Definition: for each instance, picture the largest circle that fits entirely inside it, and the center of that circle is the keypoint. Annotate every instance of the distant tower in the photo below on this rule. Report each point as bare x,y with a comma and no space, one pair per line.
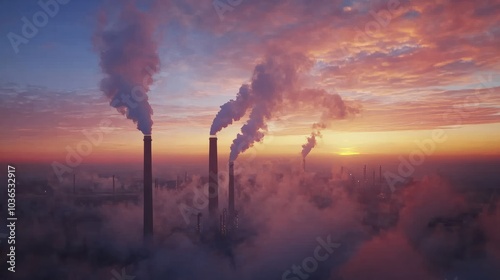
198,226
213,178
74,183
304,164
364,174
236,220
380,174
221,229
148,189
232,211
113,183
223,222
231,189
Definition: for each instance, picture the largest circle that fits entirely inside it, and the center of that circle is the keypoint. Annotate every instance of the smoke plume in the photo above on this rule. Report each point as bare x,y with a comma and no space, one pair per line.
271,80
311,143
129,59
233,110
429,229
276,87
334,108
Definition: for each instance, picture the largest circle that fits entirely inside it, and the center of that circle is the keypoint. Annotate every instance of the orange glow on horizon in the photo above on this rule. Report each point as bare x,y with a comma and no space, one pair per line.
125,146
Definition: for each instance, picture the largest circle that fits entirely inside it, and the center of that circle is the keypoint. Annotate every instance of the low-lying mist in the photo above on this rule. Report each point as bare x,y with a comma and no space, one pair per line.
293,224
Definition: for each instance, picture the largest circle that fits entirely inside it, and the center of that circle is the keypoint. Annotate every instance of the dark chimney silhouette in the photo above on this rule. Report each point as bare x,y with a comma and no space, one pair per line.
380,174
304,164
198,225
364,174
213,178
231,189
374,182
224,222
148,189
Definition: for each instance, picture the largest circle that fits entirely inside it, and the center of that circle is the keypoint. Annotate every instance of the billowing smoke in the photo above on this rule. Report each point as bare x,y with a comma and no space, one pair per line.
233,110
429,229
276,87
129,59
271,80
311,143
334,108
439,234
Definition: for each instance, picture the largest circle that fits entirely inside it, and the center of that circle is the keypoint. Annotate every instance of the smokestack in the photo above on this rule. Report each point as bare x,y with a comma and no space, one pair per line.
74,183
364,174
304,164
213,178
113,183
380,174
198,226
231,189
223,221
148,189
236,220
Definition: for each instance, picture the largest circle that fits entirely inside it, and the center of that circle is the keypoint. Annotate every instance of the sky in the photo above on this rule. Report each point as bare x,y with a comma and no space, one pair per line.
412,68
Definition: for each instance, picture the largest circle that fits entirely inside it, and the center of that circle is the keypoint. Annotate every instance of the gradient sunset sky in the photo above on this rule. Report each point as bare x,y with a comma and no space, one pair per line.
432,65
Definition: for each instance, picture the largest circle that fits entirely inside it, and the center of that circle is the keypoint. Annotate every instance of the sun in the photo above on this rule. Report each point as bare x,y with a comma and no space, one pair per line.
347,152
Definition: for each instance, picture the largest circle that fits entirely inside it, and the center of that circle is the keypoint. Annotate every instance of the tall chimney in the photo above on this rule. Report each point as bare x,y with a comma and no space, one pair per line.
364,174
198,225
380,174
231,189
148,189
304,164
213,178
113,183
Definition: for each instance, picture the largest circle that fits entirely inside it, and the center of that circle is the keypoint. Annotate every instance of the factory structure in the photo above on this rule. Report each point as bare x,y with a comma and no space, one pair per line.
148,189
213,178
217,226
224,220
228,218
220,224
380,203
223,223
